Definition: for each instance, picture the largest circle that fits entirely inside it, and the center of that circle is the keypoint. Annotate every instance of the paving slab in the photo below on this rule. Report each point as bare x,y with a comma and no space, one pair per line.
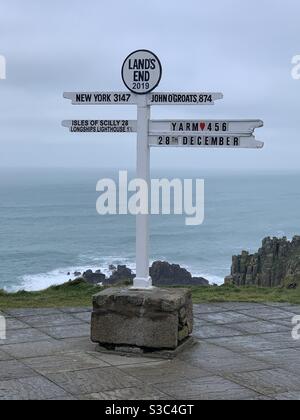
23,336
13,369
93,381
15,324
283,340
214,331
5,356
141,393
249,343
166,371
31,312
268,382
261,398
47,348
34,388
205,351
78,344
287,322
293,396
38,321
199,323
65,362
83,316
68,331
206,308
267,313
294,309
64,398
279,304
118,360
259,327
77,310
217,359
234,306
223,318
209,388
288,359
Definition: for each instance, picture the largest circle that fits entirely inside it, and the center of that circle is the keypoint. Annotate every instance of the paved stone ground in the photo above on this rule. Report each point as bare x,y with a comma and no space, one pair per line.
242,351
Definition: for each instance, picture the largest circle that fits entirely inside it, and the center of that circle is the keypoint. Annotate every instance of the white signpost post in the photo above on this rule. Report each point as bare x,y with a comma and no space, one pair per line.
141,73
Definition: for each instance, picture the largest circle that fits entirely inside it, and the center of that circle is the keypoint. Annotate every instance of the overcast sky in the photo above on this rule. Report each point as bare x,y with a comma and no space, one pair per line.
241,48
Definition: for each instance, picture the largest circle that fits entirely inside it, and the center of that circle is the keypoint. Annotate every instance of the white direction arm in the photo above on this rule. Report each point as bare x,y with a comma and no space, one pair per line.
183,98
205,126
102,98
209,141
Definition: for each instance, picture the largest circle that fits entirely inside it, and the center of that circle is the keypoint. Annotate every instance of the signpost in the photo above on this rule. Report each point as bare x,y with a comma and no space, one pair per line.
141,74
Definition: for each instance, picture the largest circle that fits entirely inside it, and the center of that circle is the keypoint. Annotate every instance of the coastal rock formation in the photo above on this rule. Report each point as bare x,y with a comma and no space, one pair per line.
76,274
93,278
162,273
277,263
165,274
121,273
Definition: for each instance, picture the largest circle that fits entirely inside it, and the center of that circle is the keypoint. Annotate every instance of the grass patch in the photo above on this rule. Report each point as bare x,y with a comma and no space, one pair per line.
245,294
79,293
76,293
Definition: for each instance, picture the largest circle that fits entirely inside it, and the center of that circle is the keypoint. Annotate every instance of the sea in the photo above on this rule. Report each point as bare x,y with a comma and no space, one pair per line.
49,225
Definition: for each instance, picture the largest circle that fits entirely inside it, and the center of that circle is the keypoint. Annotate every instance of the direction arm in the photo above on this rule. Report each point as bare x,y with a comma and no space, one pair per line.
101,98
211,141
183,98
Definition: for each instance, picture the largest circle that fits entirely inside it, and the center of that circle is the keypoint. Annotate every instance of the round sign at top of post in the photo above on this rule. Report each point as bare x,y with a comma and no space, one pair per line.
141,72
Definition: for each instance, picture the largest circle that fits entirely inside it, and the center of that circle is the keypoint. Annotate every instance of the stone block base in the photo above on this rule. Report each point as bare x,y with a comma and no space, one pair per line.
132,351
150,320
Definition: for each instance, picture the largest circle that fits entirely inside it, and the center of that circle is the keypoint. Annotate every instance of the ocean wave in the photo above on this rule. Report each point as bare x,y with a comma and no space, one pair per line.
36,282
212,278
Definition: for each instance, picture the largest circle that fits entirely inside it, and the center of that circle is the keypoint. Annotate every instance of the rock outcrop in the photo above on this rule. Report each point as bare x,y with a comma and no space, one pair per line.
165,274
121,273
93,278
162,273
277,263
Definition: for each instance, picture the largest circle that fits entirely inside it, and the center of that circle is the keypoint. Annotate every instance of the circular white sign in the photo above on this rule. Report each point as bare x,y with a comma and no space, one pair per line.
141,72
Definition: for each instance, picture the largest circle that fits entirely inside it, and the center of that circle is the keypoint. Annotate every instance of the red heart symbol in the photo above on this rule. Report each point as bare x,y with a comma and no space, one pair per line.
202,126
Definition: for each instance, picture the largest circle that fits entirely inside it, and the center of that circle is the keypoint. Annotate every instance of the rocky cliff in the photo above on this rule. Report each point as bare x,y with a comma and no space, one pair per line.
277,263
165,274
